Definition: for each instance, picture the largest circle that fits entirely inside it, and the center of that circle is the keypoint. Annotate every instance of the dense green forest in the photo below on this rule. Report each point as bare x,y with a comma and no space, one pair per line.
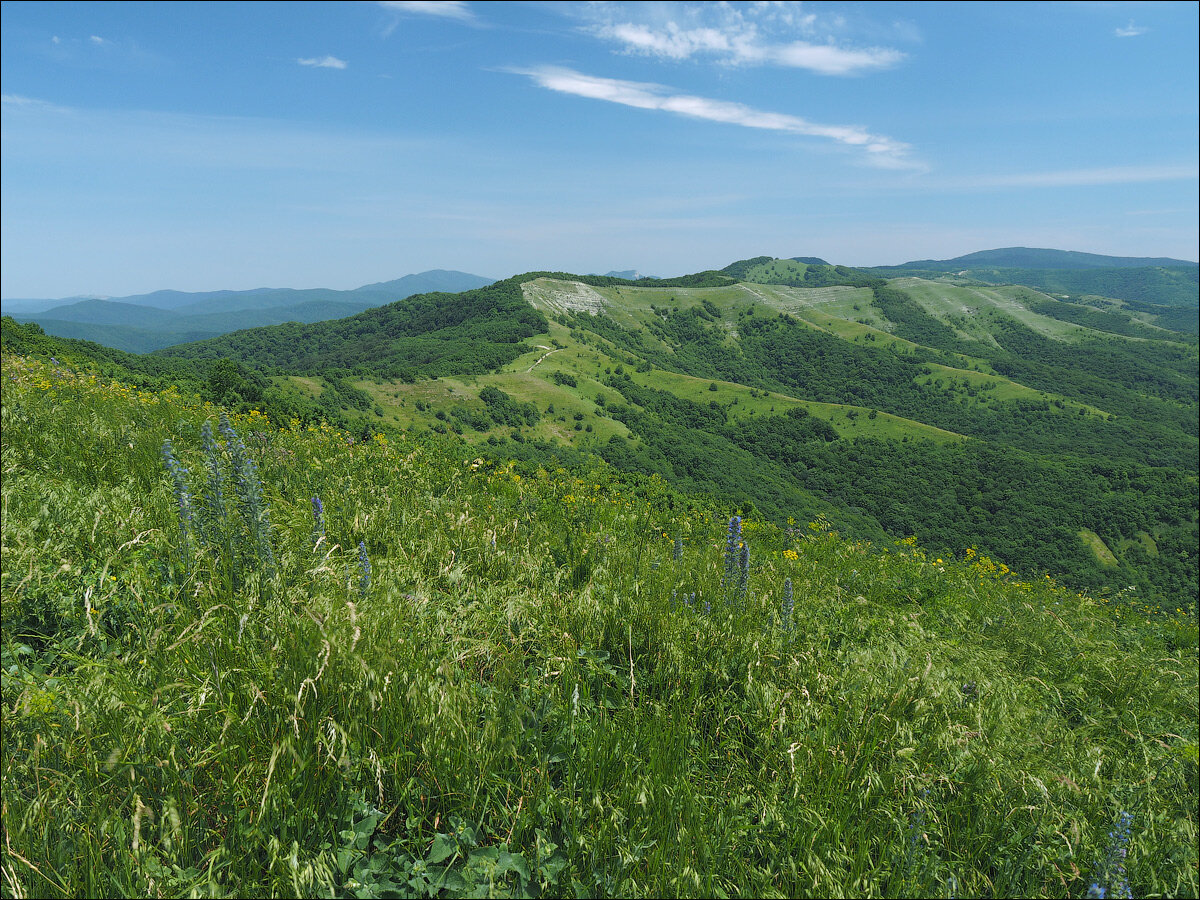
1102,316
1016,505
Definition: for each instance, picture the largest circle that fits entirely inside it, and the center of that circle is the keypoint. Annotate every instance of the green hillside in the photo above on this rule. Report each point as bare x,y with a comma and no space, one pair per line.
1051,440
241,660
1059,438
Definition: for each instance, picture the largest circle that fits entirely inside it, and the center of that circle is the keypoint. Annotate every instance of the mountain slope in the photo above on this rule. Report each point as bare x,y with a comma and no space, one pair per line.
1053,409
1058,437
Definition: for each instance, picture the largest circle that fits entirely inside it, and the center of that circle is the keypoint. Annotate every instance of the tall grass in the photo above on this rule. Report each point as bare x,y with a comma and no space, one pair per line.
442,678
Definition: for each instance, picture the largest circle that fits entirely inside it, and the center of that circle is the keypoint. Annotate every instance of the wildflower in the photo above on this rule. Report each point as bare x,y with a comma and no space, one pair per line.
732,542
179,479
364,565
254,511
677,552
318,519
788,605
247,489
237,450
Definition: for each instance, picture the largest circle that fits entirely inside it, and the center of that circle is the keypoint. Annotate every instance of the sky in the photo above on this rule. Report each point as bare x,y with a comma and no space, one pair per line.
205,146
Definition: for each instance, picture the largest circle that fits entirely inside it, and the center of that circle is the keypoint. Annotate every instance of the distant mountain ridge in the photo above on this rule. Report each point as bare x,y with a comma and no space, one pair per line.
447,281
142,323
1038,258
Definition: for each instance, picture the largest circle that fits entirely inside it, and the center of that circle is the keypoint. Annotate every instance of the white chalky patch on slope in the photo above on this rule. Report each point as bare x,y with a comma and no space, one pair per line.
564,296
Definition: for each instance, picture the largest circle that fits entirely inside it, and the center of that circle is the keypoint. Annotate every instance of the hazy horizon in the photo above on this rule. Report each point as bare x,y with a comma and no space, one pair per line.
260,287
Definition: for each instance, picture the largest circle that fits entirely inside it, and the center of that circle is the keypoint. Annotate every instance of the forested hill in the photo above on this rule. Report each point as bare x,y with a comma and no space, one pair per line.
432,334
799,271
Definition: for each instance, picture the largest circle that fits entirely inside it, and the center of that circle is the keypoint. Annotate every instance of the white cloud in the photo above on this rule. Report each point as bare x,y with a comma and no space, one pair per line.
746,48
97,40
880,150
773,34
1130,30
323,62
450,9
830,60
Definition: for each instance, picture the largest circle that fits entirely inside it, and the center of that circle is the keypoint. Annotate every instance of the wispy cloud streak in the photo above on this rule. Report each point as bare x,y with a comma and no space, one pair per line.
449,9
880,150
1130,30
743,45
753,34
323,62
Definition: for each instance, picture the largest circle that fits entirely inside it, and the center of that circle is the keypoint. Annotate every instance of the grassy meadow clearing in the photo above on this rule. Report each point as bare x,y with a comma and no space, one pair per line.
247,661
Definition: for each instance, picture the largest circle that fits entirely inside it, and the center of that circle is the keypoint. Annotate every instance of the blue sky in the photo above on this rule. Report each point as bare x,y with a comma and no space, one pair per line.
200,146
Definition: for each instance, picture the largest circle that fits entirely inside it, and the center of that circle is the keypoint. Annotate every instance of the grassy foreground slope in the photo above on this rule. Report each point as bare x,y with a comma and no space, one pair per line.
449,680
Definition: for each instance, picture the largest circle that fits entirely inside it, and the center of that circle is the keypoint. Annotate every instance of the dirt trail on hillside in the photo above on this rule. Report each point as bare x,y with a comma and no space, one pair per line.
543,356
